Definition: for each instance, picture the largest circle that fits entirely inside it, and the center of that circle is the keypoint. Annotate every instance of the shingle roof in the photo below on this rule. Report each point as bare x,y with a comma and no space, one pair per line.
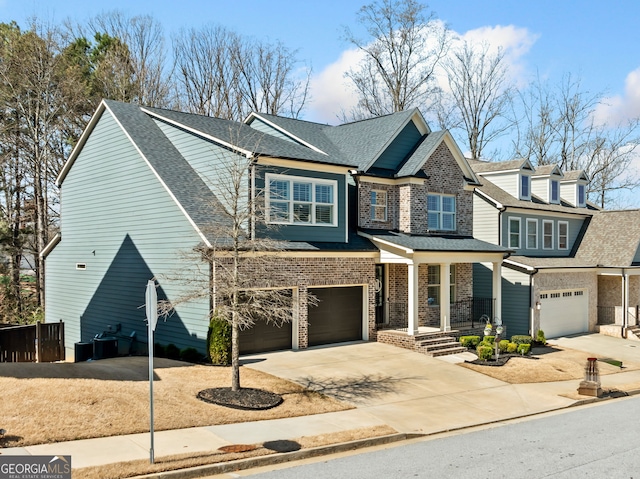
437,243
181,179
600,246
421,153
490,166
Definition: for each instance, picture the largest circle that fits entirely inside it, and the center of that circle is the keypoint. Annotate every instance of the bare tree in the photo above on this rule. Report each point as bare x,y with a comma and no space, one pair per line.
244,279
226,75
404,47
481,93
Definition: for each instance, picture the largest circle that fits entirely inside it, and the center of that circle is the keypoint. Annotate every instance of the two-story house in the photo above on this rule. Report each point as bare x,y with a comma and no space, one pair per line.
376,219
574,268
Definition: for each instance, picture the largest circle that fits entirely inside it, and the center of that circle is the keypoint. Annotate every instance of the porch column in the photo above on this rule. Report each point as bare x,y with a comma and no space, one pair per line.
497,289
412,299
445,296
625,300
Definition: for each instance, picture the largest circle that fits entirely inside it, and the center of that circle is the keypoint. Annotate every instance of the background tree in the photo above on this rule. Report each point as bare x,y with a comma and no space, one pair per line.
404,47
226,75
481,94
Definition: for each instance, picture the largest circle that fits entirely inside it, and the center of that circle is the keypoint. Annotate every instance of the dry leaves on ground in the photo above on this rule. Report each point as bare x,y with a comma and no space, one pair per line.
547,364
45,403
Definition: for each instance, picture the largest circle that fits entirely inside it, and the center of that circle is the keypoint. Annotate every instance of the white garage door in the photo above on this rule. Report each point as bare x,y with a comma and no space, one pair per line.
564,312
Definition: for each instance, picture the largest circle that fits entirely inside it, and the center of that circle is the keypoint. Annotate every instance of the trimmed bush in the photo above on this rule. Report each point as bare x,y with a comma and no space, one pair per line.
489,339
219,341
173,352
159,351
512,348
470,341
484,352
502,345
521,339
190,355
524,349
540,339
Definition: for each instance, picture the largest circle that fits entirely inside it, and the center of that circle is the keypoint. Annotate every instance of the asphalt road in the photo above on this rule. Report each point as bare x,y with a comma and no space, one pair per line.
598,441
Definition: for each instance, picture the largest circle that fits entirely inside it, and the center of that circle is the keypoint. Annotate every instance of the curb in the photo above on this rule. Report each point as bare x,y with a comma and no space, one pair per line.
278,458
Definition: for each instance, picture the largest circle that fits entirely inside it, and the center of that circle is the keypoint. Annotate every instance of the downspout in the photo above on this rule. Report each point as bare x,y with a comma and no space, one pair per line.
532,303
252,197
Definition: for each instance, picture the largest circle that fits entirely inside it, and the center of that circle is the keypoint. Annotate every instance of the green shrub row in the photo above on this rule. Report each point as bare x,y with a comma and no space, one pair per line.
485,348
521,339
470,341
171,351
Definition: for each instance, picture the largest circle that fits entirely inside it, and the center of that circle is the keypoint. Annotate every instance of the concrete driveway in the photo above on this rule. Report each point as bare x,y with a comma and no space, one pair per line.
409,391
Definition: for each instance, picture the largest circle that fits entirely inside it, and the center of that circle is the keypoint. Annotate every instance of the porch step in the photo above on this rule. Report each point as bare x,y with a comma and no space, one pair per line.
439,345
635,331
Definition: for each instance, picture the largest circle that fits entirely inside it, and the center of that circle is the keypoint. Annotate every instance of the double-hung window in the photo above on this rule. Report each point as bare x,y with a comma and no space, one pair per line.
379,205
433,290
532,233
547,234
581,196
441,212
563,235
297,200
514,233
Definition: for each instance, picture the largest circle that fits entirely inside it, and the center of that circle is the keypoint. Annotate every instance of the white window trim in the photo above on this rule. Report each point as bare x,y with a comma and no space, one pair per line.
544,222
438,286
531,221
567,235
442,212
385,206
303,179
513,220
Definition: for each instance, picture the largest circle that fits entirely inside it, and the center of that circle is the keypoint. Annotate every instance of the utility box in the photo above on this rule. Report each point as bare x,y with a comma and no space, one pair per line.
82,352
105,348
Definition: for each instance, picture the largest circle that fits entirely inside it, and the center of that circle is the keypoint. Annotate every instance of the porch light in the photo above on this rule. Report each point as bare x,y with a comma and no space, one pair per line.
538,305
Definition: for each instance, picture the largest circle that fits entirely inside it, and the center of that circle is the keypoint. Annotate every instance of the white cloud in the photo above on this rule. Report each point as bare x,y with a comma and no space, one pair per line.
331,92
620,108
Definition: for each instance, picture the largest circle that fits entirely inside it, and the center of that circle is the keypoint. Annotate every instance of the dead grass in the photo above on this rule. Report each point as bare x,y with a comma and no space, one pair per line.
170,463
45,403
549,364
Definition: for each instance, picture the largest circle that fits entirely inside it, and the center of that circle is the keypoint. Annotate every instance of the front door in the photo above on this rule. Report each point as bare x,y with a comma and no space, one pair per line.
381,300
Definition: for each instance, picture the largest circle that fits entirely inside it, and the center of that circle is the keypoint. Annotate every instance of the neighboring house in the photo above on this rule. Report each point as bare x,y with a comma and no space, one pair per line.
377,216
574,268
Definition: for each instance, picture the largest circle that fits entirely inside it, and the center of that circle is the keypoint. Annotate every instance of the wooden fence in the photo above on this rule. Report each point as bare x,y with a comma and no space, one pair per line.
40,342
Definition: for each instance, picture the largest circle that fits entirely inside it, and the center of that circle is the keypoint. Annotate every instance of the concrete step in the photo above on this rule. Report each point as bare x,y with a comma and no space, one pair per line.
446,352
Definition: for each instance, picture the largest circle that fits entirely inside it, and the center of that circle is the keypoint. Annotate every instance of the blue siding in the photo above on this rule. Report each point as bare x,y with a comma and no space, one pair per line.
399,148
119,221
303,232
575,225
260,125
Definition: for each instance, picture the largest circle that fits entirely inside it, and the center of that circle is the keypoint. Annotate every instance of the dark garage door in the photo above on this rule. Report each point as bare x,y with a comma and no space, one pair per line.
338,316
265,336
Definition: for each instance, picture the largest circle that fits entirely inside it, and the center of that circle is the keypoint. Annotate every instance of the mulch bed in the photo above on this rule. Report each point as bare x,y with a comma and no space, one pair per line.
245,398
501,361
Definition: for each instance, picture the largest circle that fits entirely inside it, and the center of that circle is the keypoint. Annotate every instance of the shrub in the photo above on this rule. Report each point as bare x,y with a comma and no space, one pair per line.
524,348
190,355
502,345
484,352
470,341
489,339
540,337
173,352
521,339
512,348
159,351
219,341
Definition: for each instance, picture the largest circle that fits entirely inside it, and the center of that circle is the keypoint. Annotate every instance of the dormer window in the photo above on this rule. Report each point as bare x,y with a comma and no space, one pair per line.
581,196
525,187
555,191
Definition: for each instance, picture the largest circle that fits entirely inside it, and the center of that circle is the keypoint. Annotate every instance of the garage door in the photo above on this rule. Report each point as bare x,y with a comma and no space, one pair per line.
264,337
337,317
564,312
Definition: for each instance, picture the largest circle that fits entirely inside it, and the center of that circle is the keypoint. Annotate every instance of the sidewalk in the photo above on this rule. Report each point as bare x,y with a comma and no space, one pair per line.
435,396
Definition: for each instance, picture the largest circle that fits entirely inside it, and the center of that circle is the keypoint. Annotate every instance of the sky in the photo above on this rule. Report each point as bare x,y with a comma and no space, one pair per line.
598,42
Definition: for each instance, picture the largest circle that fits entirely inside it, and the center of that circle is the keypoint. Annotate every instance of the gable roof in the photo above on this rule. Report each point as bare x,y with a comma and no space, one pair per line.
548,170
599,246
481,166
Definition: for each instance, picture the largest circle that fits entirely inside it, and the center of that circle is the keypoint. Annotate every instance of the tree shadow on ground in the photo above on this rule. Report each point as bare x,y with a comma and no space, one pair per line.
353,388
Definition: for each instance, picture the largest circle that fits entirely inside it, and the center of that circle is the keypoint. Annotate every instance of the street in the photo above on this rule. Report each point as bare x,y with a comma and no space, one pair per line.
596,441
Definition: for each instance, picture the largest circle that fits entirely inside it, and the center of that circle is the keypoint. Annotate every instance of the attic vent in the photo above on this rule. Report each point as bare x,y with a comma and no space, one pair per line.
81,266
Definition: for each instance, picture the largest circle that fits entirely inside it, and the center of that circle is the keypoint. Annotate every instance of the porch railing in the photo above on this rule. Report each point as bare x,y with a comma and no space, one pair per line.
465,313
